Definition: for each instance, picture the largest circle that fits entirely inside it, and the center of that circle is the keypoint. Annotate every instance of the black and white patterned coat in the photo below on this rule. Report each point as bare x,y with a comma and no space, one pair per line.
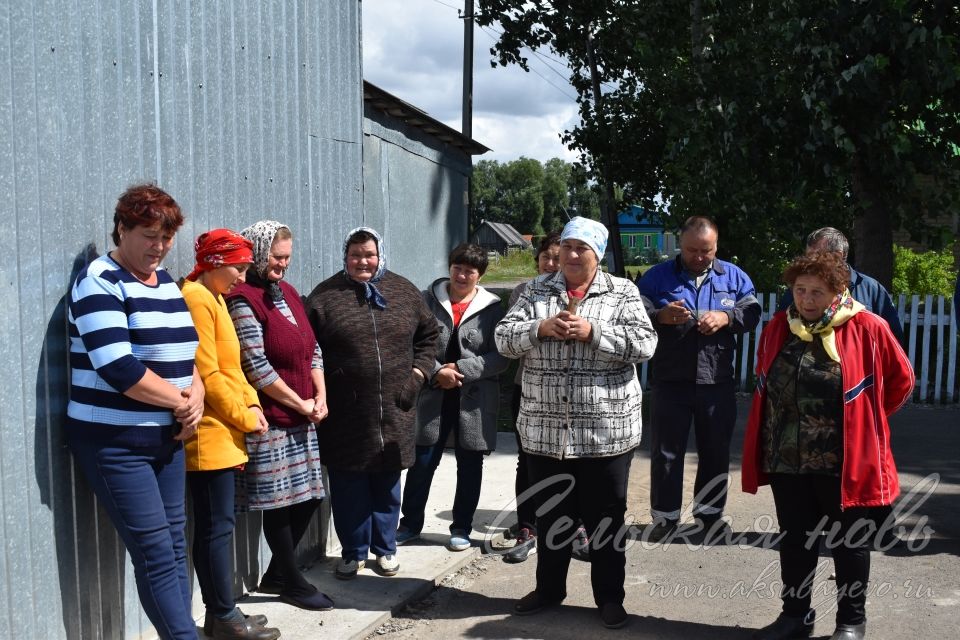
580,399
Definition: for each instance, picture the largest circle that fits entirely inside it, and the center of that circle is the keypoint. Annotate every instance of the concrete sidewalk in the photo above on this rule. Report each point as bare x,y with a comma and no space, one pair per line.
683,589
369,600
673,590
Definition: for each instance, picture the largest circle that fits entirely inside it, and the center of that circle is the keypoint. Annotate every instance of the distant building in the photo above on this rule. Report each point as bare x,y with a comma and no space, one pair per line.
499,237
642,236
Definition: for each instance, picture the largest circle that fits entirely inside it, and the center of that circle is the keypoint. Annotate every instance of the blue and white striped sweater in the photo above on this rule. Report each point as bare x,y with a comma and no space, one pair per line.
119,327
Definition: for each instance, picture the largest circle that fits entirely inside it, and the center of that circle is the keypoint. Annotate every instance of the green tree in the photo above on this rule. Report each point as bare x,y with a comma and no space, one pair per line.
483,187
521,188
556,195
584,195
773,118
534,198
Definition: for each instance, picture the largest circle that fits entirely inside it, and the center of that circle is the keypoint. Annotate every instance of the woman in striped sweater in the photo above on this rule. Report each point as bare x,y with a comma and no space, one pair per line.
135,396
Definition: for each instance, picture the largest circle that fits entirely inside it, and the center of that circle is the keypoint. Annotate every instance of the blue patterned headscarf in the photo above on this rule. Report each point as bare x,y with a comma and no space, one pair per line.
370,290
589,231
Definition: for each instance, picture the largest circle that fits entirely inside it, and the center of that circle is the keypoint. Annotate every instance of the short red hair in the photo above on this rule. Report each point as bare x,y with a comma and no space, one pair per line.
826,265
146,204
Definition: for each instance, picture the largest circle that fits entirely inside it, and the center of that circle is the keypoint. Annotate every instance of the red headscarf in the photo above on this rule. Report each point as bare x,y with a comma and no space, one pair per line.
220,247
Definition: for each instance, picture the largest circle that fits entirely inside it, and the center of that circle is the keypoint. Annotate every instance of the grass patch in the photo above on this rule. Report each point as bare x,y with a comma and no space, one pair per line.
516,265
520,265
634,271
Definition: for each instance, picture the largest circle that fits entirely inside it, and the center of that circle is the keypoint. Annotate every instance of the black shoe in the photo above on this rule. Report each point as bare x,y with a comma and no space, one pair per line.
786,627
208,619
272,587
613,615
316,601
850,632
532,603
659,529
245,630
526,546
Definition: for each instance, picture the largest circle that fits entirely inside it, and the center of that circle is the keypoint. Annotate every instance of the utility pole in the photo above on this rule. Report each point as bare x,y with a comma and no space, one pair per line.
466,127
606,201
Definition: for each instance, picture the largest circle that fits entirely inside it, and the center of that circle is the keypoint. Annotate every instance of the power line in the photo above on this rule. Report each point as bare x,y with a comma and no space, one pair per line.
534,71
542,55
539,54
458,9
548,58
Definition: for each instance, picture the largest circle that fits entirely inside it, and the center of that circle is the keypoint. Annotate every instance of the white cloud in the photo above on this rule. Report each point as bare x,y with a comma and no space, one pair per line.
414,49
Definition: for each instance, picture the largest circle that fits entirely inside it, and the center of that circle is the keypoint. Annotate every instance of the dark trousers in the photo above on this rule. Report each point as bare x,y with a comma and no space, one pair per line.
802,501
526,507
713,410
213,523
599,496
365,508
142,489
283,529
416,489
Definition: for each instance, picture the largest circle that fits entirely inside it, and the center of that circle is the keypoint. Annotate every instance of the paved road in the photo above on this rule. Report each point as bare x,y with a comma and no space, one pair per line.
725,591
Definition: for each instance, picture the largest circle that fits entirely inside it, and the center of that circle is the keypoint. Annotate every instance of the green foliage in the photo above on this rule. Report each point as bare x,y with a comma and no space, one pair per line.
535,198
516,265
773,118
928,272
556,193
637,256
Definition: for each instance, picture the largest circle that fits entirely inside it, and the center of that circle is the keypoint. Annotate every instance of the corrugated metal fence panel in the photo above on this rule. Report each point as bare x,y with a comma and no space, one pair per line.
414,193
242,110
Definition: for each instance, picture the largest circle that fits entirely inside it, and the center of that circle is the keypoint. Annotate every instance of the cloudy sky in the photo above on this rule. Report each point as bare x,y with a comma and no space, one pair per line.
414,50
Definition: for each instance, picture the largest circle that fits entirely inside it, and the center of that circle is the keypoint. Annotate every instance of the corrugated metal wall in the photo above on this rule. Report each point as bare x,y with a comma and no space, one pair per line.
414,192
242,109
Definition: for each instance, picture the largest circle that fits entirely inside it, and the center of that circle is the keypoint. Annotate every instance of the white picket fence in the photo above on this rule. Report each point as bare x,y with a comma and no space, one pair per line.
930,330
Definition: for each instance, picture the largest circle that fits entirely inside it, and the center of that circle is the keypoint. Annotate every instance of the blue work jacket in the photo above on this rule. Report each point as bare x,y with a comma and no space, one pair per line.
683,353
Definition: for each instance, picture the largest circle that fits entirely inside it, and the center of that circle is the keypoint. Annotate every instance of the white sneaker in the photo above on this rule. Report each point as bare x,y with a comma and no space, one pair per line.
388,564
459,540
348,569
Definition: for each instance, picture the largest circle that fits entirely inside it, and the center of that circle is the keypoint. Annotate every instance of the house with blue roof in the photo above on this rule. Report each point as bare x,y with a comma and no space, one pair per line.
643,237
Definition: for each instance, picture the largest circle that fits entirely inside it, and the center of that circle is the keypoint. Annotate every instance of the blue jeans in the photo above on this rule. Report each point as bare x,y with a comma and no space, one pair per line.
213,523
365,508
142,489
416,489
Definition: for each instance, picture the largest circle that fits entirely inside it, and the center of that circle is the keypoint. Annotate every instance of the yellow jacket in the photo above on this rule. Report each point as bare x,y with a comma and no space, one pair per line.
219,442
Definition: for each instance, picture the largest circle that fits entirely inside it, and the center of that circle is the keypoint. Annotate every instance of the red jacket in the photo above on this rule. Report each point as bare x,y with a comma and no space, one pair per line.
877,381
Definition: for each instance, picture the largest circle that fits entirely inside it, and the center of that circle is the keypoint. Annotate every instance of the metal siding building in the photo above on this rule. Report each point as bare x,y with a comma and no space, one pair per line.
242,110
416,173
